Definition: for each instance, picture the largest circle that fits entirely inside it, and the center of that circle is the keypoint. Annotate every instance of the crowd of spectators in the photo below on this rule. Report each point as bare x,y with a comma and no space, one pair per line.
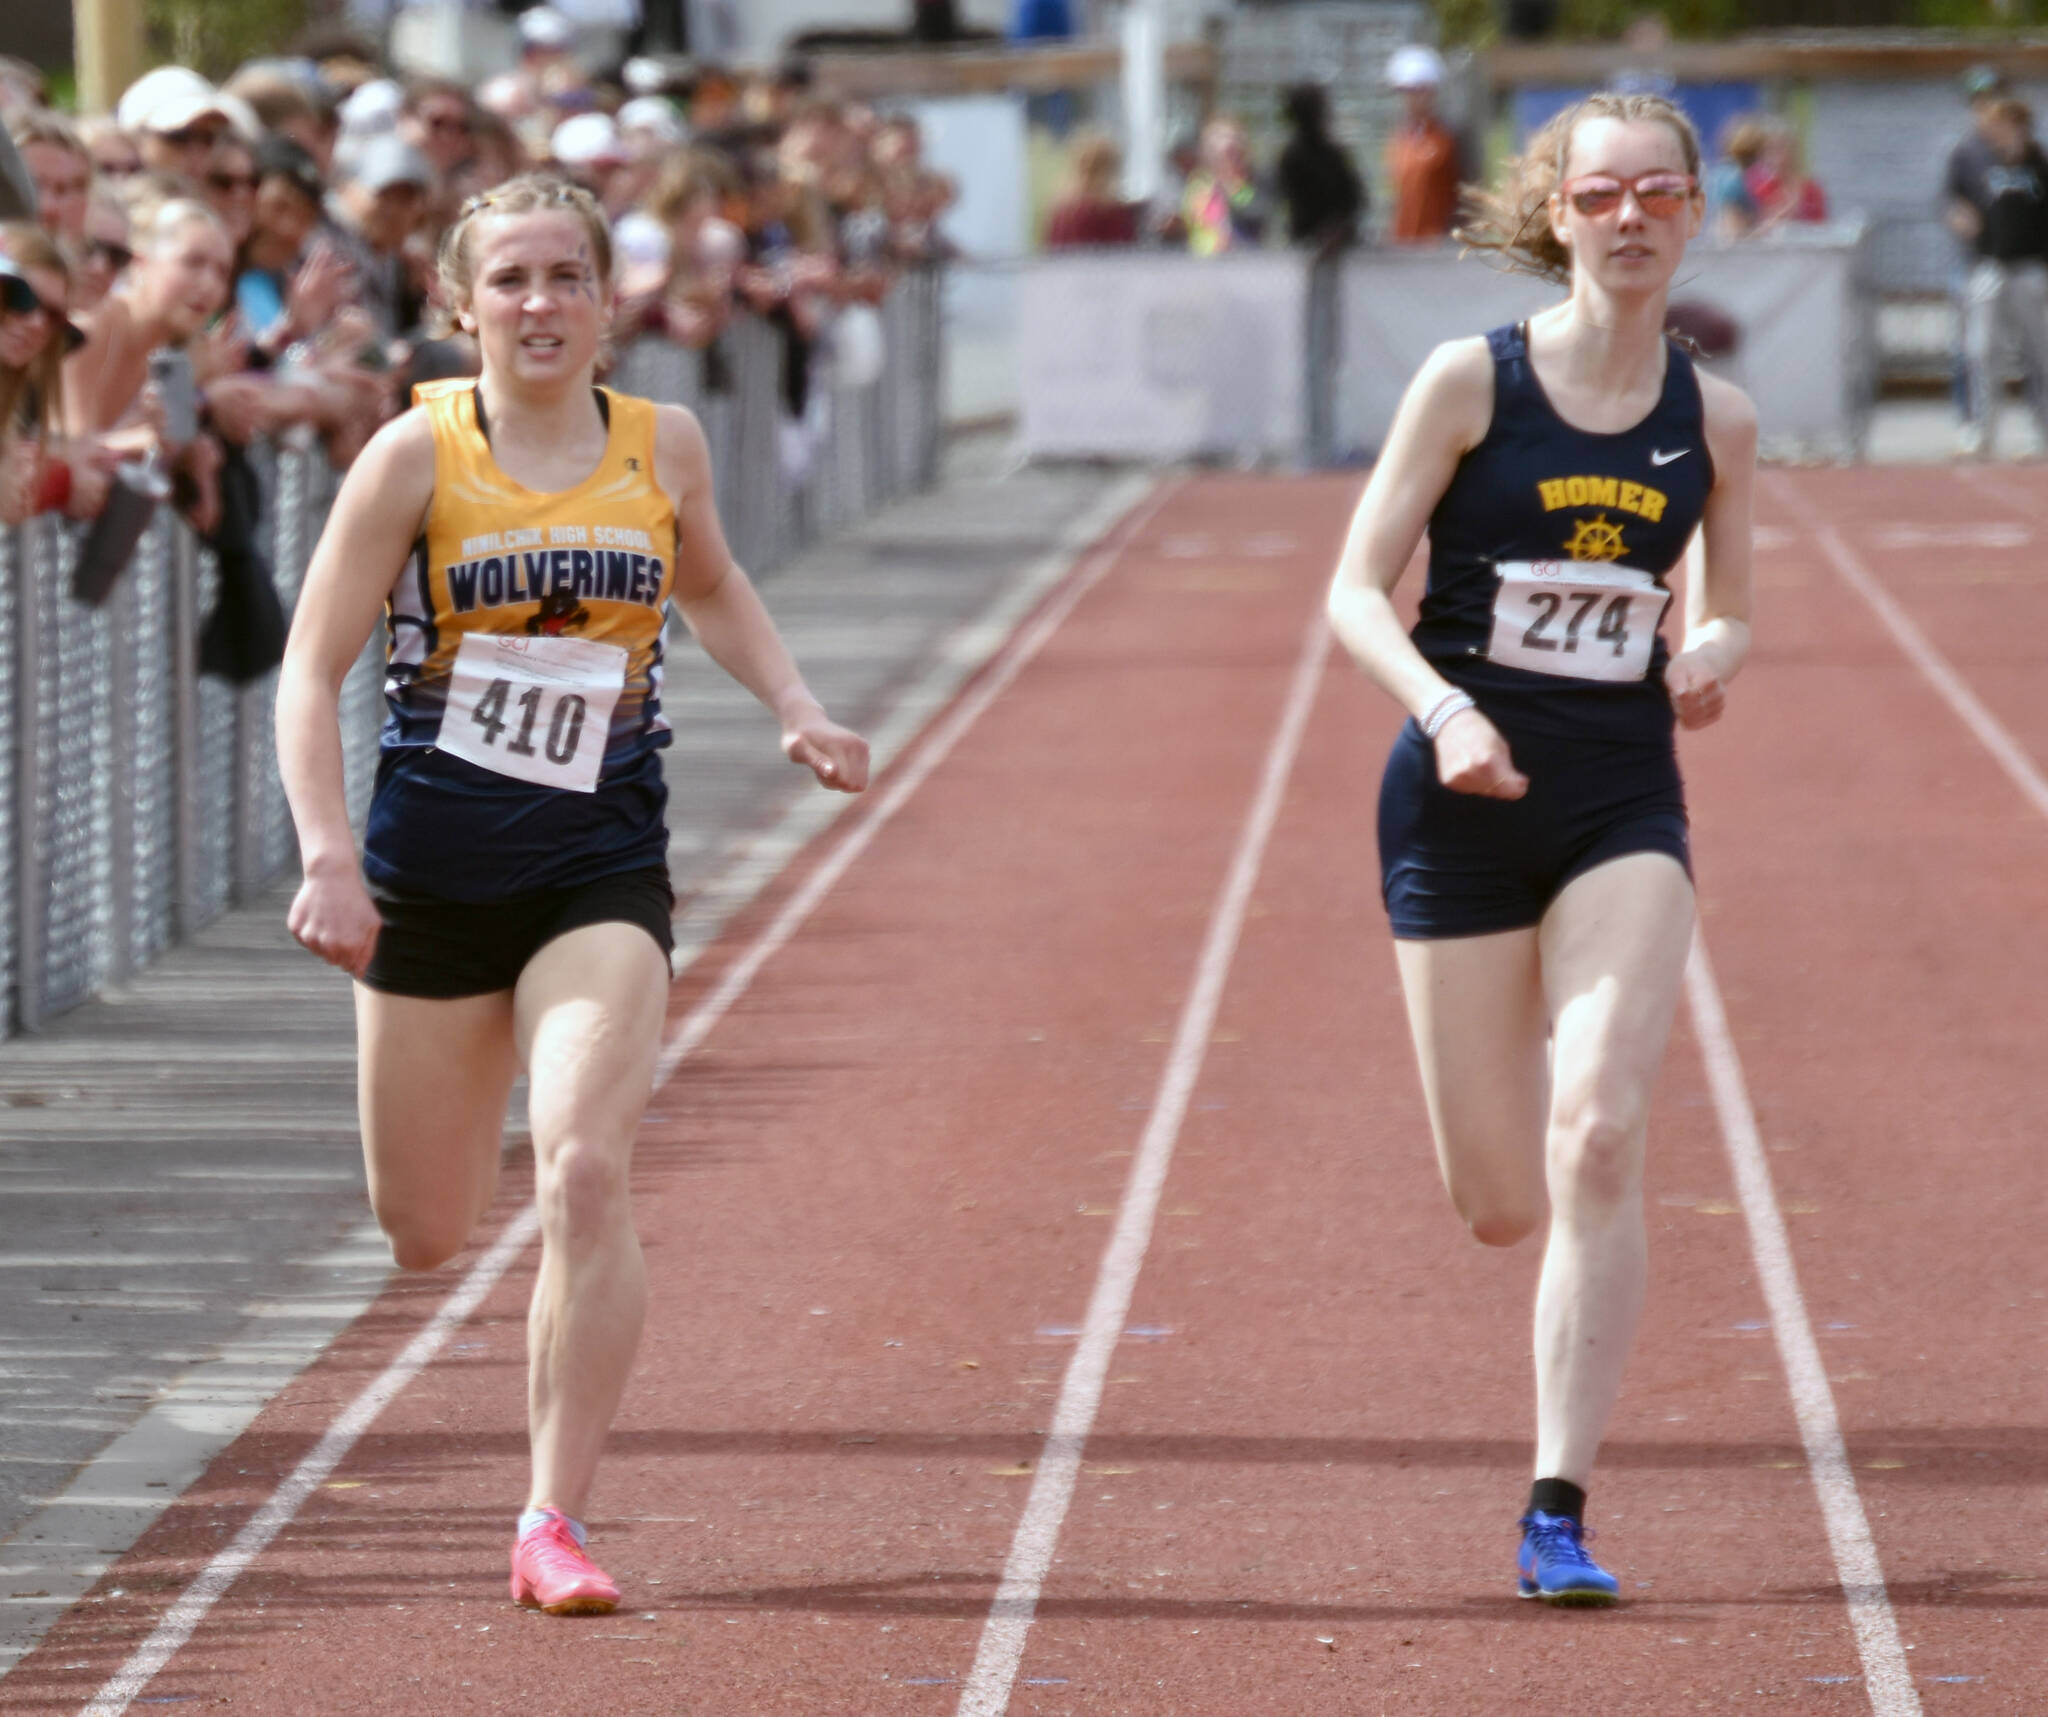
1759,181
211,264
1216,198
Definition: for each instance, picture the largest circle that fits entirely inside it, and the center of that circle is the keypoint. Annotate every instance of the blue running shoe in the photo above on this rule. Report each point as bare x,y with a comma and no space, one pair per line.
1554,1565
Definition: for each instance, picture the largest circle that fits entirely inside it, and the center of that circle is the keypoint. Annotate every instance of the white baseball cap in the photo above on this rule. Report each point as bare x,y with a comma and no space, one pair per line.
372,107
588,140
640,240
1415,67
656,116
643,74
241,116
389,160
168,99
544,27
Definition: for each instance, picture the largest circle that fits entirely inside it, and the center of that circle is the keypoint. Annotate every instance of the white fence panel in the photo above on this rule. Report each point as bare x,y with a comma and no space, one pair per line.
1155,355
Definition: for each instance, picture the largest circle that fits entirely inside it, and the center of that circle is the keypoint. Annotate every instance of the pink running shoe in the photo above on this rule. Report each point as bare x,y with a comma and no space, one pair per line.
551,1572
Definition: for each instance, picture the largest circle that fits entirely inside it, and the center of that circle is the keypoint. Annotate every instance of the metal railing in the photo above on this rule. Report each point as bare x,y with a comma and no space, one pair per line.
141,799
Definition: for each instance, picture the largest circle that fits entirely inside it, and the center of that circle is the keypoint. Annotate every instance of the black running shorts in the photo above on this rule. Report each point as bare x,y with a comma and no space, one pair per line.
446,948
1460,864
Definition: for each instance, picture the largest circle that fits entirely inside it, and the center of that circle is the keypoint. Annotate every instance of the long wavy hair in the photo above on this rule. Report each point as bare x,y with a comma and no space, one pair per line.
42,380
1511,217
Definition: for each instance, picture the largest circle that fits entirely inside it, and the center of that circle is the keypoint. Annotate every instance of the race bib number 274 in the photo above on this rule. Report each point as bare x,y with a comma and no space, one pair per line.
537,709
1580,620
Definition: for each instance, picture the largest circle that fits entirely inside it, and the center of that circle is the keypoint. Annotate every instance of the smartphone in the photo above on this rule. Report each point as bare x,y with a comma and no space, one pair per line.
171,371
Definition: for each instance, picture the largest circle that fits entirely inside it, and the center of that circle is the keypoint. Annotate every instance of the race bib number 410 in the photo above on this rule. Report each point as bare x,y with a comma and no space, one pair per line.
1580,620
537,709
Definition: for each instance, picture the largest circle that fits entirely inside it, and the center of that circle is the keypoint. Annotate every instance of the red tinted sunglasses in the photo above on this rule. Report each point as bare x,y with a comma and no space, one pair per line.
1659,195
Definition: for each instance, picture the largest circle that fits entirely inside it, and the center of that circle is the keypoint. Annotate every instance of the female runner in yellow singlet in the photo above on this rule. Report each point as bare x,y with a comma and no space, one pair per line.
524,534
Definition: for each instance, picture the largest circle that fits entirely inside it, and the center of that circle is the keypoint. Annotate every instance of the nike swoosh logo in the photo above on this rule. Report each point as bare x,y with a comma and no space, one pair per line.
1657,458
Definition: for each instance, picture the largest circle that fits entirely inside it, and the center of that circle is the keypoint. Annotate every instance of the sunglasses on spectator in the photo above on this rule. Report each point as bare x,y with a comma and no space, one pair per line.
115,256
447,122
17,297
232,181
193,136
123,167
1659,195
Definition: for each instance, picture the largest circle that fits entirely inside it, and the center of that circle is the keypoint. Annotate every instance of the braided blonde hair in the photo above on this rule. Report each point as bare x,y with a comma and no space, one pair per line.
528,193
1511,217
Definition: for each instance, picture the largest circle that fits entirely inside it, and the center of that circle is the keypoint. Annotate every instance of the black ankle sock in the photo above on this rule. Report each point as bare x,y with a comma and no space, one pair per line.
1558,1496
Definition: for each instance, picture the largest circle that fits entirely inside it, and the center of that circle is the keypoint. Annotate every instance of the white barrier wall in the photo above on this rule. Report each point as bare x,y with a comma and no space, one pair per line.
1158,355
1393,309
1803,350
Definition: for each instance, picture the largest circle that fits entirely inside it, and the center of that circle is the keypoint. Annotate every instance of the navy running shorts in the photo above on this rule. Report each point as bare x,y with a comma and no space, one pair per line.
1458,864
441,949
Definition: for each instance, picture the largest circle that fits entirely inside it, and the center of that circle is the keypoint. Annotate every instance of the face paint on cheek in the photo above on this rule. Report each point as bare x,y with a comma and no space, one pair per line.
586,285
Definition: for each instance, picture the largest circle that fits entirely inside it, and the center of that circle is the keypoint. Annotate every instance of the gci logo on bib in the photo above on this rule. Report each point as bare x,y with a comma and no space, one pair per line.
1580,620
537,709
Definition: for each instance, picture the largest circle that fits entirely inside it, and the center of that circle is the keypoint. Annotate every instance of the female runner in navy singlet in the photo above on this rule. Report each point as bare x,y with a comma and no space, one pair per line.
1532,826
525,534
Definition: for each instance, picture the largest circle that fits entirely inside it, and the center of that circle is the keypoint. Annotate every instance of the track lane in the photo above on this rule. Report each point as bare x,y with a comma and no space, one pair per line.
892,1140
1880,899
1307,1501
886,1143
1960,550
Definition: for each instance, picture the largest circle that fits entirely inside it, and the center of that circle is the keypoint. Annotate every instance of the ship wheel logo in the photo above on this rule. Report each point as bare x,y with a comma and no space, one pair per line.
1596,539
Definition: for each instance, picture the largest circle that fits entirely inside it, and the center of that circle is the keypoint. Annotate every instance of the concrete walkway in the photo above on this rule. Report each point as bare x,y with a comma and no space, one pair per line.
182,1222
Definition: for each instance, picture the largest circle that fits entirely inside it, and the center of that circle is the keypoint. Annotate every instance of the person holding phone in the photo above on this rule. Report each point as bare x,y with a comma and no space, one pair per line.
1535,856
140,403
524,533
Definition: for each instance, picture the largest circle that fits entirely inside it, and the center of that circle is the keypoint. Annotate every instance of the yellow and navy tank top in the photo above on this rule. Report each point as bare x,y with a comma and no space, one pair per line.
1549,556
499,562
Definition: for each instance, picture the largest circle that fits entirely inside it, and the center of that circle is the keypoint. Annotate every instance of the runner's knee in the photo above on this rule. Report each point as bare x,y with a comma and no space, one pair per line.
582,1188
420,1244
1500,1223
1496,1210
1596,1156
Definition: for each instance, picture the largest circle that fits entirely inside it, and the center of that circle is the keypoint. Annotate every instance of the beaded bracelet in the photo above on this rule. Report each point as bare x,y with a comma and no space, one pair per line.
1439,714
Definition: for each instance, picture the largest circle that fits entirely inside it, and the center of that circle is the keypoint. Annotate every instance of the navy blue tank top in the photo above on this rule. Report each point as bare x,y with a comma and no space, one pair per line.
1549,553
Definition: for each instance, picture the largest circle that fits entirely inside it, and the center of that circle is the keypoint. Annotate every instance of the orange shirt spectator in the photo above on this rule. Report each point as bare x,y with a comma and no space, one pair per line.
1422,153
1422,163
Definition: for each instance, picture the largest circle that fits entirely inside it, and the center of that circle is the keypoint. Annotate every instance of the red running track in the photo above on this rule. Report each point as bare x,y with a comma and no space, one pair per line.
876,1201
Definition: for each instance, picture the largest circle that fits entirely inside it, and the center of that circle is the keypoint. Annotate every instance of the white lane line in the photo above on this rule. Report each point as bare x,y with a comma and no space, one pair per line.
65,1547
1934,667
61,1550
987,1692
754,863
1991,481
928,757
214,1580
1886,1677
218,1575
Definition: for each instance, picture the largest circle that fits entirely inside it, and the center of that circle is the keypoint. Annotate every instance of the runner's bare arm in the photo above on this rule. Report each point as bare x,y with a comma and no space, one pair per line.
1442,417
726,613
1717,579
376,518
